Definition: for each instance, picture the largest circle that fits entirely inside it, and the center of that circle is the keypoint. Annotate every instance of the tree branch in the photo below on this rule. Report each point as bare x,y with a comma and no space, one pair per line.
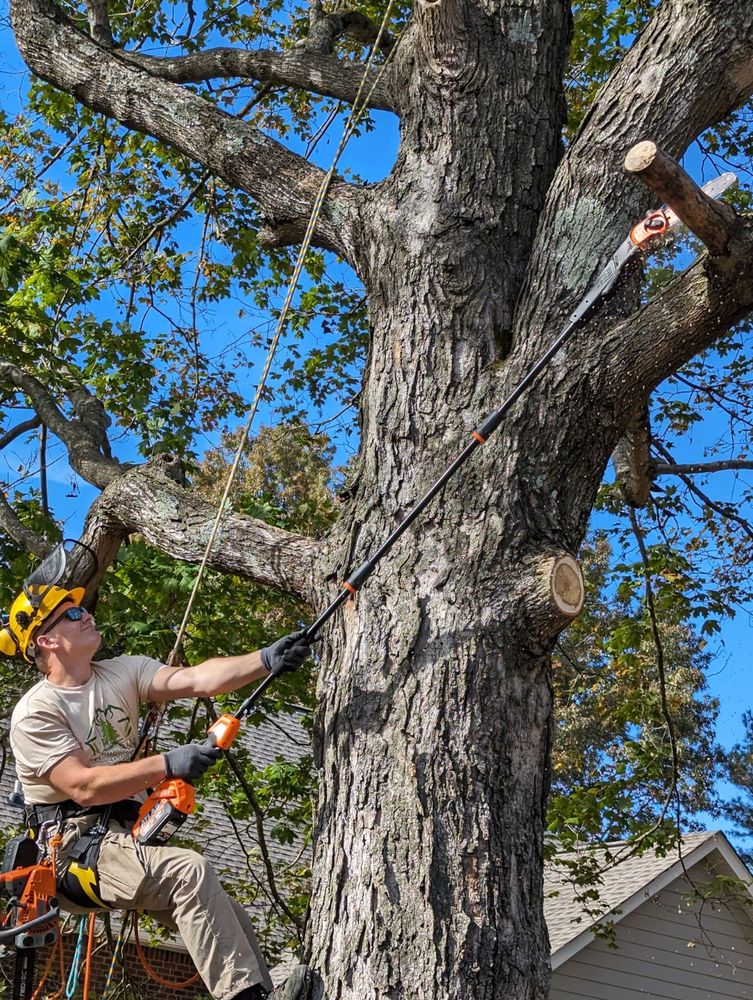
325,29
109,82
722,509
726,465
81,435
99,22
26,538
685,317
15,432
713,222
148,500
313,71
687,70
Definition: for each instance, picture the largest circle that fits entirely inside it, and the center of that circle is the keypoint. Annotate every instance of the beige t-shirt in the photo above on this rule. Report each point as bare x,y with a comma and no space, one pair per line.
101,718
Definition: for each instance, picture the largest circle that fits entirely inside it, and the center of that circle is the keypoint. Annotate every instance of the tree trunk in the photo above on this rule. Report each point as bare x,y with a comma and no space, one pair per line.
433,734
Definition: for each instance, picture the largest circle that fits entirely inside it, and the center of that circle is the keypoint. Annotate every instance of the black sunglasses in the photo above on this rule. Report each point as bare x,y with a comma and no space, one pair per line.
74,614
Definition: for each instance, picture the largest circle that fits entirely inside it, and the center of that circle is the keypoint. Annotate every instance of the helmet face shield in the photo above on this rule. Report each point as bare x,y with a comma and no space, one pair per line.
41,595
49,572
54,567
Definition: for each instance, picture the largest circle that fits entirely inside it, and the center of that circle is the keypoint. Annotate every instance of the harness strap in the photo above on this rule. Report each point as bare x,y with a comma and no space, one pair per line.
123,812
79,881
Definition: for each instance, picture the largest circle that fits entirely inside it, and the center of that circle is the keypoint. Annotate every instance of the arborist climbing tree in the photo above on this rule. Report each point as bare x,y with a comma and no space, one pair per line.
74,737
434,728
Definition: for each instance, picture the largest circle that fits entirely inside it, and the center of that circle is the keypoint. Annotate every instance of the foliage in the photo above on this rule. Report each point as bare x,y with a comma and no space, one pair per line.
739,768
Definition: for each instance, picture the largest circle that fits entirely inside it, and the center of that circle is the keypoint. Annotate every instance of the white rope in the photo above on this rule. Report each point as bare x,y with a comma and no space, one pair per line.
350,127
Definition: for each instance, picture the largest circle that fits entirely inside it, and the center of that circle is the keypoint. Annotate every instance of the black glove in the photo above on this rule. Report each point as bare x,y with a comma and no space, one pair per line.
286,654
190,761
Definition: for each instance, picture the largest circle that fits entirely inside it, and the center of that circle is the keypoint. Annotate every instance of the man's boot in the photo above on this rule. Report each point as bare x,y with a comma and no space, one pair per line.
252,993
297,985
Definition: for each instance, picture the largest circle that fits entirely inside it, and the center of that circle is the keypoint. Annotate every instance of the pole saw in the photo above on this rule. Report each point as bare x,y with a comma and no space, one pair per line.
170,804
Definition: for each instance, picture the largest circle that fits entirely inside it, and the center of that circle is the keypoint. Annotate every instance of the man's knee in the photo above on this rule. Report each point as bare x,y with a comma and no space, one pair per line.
192,872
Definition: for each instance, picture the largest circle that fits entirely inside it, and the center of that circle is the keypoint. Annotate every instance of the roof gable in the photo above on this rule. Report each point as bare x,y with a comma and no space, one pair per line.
625,885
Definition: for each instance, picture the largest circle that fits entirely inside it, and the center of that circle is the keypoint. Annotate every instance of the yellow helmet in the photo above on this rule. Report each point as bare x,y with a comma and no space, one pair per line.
29,610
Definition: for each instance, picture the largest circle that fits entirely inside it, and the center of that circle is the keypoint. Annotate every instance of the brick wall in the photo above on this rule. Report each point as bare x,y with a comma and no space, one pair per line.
129,982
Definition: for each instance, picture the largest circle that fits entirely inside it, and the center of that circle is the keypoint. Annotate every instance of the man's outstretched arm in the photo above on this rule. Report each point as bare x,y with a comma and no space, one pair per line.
222,674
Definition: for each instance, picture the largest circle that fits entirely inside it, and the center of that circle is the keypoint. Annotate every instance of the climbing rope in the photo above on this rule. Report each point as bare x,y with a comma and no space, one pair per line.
357,109
74,973
150,970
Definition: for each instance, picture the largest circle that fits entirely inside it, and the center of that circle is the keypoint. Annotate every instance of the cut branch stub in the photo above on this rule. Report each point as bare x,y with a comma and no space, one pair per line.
713,222
554,591
564,579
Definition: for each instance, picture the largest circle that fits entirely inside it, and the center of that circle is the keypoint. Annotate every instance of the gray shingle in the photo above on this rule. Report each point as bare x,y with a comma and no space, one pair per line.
564,908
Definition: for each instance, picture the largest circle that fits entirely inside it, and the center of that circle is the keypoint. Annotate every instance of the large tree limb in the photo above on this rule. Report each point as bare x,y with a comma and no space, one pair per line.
687,316
147,500
690,67
82,436
309,70
284,184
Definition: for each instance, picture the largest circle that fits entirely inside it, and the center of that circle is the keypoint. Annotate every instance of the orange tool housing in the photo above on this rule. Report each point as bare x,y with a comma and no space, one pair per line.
174,799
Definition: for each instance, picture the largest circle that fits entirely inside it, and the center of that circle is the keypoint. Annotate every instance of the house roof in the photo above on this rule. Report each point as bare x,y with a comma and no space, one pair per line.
624,883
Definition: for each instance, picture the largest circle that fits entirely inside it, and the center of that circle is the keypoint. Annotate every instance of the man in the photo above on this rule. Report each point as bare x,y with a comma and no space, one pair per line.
73,736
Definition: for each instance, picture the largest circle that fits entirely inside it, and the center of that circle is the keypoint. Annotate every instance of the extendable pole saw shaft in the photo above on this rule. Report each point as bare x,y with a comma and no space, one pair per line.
654,225
170,804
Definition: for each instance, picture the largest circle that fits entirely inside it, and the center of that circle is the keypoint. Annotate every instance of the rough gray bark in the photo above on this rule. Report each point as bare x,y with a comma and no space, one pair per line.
152,500
433,735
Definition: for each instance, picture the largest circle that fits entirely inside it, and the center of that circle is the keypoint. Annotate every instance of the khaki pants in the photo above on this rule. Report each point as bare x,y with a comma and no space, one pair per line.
180,890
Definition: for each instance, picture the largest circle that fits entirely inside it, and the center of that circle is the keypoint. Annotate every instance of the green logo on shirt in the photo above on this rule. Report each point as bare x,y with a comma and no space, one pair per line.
110,734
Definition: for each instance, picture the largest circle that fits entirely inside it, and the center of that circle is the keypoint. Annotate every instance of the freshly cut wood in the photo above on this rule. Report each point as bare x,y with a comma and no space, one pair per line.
713,222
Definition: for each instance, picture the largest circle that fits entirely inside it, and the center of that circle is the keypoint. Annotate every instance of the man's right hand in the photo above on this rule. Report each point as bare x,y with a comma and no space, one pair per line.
190,761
